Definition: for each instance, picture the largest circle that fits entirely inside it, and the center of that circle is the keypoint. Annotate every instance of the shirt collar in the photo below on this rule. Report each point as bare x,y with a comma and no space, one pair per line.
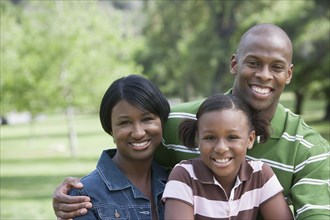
277,123
117,180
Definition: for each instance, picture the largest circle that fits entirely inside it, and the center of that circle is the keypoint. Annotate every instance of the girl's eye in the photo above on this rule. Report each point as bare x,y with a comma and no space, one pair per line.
233,137
209,138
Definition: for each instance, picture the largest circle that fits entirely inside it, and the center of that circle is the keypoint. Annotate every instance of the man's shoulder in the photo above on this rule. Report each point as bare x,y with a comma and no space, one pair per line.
187,107
296,129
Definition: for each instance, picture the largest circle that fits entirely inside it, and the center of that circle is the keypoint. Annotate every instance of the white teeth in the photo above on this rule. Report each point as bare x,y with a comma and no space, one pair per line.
140,144
222,160
261,90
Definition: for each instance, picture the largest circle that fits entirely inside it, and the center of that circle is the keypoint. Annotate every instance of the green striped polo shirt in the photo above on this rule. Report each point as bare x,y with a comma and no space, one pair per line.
298,155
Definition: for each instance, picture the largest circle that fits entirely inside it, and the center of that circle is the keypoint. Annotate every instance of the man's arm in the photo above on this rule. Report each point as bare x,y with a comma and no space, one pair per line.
65,206
310,193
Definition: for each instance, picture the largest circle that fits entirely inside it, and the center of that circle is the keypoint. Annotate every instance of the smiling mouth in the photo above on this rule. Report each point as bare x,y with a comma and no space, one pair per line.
140,145
222,161
261,90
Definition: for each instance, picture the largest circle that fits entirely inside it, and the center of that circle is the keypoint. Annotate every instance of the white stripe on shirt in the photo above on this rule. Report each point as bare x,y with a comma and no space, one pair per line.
310,181
313,159
297,137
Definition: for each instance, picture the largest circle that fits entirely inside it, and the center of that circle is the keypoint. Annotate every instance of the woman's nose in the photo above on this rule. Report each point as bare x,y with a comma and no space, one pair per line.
138,131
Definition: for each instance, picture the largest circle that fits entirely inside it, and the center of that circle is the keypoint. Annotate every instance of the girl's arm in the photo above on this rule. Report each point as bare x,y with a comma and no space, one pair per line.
276,208
176,209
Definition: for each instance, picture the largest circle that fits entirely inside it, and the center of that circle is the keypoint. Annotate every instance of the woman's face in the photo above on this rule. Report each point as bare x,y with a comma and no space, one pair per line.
223,138
137,134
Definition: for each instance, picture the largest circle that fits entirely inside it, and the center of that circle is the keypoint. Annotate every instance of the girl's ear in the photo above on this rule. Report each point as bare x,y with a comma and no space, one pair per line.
196,139
252,137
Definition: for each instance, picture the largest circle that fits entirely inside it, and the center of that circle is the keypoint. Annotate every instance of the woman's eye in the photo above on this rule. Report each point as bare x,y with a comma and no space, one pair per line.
147,119
124,122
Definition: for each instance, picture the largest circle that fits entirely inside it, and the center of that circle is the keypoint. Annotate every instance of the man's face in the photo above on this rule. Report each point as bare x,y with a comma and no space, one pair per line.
262,67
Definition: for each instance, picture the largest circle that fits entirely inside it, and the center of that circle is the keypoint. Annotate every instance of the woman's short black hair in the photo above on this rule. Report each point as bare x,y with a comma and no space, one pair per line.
137,91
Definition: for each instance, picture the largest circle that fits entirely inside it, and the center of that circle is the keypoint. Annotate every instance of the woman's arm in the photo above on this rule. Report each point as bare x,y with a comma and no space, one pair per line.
276,208
176,209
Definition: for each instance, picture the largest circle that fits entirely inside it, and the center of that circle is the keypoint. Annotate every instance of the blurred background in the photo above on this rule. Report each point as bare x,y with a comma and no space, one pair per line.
59,57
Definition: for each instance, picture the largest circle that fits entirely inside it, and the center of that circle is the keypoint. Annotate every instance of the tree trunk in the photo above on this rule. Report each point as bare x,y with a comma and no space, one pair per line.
327,112
299,102
73,138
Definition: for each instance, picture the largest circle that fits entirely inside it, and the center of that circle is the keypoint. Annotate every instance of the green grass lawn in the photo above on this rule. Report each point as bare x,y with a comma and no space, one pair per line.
32,166
34,160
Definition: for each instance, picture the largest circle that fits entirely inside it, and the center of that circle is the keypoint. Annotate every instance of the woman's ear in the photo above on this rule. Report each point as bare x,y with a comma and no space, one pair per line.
252,137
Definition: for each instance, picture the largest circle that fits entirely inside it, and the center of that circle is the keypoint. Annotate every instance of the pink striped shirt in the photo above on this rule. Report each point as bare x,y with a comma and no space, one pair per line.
192,182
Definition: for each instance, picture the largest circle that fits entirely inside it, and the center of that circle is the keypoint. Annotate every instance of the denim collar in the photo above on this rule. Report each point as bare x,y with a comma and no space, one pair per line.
117,180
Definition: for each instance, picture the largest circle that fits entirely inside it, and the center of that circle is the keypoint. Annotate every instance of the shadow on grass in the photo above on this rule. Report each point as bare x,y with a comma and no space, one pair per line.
59,160
50,135
30,187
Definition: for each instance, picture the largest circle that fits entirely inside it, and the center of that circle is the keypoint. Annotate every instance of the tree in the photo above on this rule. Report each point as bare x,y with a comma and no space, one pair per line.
189,43
62,55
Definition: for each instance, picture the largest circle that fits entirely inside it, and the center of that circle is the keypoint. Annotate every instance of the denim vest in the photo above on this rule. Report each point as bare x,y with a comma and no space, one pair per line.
114,197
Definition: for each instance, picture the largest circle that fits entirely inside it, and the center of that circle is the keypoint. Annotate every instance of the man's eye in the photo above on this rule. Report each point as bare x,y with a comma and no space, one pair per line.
278,68
253,64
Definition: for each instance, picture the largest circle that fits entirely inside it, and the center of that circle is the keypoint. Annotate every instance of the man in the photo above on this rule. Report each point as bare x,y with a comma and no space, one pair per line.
298,155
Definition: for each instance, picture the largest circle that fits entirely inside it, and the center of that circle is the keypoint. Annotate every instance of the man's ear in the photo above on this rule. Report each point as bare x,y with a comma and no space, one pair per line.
290,73
233,64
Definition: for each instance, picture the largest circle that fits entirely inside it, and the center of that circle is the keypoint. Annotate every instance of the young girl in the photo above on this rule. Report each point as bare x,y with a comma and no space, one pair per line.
127,183
221,183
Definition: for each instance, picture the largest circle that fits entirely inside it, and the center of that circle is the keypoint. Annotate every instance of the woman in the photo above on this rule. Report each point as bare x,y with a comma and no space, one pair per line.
127,183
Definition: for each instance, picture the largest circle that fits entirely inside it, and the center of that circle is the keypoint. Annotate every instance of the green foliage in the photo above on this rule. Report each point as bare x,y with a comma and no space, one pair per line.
60,53
189,43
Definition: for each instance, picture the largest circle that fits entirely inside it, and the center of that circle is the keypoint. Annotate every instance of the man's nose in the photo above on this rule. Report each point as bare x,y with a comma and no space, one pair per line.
264,73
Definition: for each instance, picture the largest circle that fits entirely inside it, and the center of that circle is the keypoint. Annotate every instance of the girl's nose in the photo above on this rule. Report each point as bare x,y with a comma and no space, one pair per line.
221,147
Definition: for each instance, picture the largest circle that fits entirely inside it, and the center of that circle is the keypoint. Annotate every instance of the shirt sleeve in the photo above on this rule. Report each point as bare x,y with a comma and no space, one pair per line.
310,192
178,186
171,150
271,186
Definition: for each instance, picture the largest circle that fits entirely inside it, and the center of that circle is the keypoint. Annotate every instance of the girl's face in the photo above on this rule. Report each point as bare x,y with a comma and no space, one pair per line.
137,134
223,138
